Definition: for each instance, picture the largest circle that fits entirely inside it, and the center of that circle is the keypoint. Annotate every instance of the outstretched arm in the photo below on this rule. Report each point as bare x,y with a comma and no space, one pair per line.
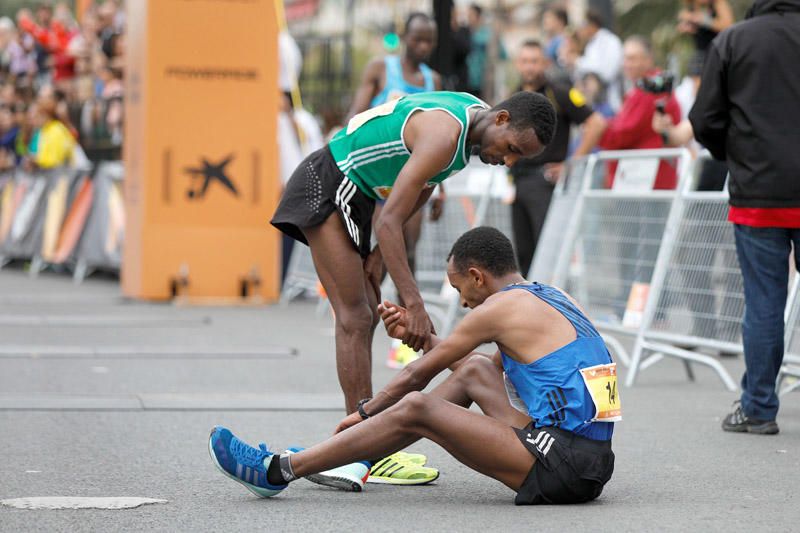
432,137
478,327
394,320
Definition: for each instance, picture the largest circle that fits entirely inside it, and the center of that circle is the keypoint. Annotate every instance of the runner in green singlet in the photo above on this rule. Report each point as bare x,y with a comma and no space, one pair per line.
397,151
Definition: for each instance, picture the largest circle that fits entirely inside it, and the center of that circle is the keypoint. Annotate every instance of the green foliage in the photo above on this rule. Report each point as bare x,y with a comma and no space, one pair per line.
9,8
657,19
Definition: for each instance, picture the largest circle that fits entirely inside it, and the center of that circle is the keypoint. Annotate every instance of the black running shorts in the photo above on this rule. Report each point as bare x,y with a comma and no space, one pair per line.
568,468
318,188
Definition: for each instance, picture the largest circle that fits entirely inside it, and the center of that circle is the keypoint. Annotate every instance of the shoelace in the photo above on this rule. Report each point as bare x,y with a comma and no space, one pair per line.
247,455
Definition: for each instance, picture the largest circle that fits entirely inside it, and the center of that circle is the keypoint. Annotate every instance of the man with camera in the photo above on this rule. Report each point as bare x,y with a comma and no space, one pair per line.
650,93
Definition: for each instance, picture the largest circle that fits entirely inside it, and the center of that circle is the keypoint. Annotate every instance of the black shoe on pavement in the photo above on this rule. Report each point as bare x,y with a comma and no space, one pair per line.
738,422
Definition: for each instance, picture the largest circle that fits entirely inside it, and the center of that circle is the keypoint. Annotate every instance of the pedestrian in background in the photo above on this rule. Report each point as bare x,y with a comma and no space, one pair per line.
747,113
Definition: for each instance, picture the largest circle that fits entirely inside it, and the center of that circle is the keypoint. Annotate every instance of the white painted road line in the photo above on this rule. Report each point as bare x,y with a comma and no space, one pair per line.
100,321
144,352
173,402
71,502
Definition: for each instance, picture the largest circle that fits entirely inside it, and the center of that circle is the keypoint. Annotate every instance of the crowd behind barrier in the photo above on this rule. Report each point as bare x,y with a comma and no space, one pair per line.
63,218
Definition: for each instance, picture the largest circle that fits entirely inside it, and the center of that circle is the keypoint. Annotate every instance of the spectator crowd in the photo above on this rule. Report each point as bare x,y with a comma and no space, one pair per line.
61,85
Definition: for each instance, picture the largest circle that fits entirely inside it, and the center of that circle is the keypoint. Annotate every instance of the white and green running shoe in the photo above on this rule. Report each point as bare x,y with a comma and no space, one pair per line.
397,469
350,477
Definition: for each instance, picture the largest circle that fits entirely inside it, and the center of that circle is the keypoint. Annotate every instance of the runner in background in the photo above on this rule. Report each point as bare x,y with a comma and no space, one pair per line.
388,78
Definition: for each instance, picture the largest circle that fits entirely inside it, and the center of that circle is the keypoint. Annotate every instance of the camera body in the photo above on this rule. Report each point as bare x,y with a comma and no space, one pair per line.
660,83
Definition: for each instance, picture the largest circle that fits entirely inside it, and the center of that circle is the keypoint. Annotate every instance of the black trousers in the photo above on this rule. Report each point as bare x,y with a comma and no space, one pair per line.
528,213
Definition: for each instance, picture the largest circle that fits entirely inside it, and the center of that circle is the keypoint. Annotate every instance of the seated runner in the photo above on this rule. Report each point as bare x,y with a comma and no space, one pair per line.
548,396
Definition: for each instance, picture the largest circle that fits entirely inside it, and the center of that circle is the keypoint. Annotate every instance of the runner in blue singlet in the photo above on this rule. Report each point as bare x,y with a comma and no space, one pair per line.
548,395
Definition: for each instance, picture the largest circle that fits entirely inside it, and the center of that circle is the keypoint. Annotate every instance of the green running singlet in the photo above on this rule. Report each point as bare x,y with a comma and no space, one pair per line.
371,150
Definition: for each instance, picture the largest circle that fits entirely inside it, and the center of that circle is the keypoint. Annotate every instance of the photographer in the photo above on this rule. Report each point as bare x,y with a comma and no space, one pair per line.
632,127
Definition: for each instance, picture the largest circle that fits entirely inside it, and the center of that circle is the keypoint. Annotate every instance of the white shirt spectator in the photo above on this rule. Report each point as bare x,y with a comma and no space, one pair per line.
291,62
603,56
299,134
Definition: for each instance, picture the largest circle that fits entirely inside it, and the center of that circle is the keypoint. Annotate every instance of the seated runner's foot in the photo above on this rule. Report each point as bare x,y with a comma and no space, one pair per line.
400,355
243,463
738,422
350,477
394,470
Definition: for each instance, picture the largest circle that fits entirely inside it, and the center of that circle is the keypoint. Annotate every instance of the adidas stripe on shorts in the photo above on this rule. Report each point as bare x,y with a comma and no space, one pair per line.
316,189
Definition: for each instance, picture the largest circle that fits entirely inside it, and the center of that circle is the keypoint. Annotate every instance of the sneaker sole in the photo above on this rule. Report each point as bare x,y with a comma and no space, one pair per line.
336,482
258,491
756,430
406,482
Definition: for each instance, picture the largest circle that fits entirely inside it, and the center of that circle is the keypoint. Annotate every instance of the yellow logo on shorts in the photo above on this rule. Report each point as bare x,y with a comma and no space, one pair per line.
382,191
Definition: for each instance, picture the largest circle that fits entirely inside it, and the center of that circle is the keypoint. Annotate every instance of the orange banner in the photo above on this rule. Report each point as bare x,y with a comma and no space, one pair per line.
200,148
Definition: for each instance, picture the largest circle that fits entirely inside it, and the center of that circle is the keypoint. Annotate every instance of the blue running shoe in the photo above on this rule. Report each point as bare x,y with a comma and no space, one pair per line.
350,477
241,462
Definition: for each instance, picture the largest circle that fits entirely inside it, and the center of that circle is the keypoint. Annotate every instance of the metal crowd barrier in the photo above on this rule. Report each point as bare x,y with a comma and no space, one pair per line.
64,216
100,246
696,297
301,275
611,242
559,215
791,358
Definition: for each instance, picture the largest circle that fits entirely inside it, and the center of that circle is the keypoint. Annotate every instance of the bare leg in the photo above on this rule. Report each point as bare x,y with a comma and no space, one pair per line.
482,442
478,381
341,271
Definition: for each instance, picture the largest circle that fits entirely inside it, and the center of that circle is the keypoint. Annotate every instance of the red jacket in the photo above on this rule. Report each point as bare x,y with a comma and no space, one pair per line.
56,40
632,129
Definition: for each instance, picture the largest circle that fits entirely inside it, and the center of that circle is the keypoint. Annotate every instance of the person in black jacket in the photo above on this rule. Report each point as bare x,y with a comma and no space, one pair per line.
747,112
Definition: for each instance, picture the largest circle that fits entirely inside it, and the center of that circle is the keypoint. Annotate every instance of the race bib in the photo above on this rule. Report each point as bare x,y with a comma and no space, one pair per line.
601,382
377,111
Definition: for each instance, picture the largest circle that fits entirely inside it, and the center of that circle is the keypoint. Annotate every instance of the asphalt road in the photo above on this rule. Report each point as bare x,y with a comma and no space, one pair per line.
102,397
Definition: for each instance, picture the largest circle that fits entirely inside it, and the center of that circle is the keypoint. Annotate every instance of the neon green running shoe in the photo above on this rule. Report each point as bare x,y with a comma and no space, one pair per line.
394,470
400,355
413,458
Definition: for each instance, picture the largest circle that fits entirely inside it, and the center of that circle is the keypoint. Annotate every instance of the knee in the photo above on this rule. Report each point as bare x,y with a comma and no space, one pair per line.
412,408
354,320
477,369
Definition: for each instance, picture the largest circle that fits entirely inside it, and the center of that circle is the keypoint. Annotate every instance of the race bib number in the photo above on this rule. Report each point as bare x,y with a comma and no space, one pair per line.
601,382
377,111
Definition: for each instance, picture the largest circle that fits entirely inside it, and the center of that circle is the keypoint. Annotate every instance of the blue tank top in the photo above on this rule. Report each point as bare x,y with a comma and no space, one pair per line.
397,86
552,387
